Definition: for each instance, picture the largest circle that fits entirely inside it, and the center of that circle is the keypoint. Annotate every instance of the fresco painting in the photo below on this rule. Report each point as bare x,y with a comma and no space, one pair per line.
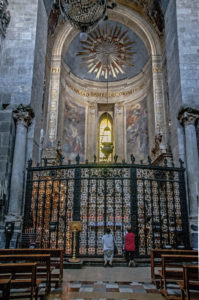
137,130
74,131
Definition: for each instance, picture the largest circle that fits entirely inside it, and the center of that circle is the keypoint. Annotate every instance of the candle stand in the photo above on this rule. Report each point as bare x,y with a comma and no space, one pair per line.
74,226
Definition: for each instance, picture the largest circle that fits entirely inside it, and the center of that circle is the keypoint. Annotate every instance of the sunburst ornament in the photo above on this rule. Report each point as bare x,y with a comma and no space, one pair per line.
107,51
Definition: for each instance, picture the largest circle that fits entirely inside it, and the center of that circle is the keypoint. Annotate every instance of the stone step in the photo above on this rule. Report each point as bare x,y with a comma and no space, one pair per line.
99,261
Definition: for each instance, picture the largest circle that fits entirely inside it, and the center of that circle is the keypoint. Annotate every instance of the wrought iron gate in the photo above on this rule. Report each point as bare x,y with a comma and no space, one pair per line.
152,199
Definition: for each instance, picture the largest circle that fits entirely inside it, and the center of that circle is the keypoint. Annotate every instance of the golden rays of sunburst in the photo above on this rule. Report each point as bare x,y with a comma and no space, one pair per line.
107,52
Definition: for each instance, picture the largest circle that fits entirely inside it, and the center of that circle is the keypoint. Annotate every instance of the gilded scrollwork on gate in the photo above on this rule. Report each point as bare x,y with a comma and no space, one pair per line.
151,199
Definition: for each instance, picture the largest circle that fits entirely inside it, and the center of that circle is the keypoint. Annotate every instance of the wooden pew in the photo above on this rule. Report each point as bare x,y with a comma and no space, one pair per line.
41,259
5,287
156,262
172,271
190,285
57,256
24,268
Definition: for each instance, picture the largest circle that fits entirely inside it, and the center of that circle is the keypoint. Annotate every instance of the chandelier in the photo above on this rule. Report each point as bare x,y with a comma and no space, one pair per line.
107,144
85,14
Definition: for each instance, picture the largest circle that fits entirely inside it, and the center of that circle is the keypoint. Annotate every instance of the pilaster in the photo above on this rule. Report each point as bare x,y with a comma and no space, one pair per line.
159,108
120,131
54,99
187,118
92,126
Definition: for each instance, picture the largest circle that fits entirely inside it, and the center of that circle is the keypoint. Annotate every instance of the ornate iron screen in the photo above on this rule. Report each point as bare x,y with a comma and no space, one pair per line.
152,199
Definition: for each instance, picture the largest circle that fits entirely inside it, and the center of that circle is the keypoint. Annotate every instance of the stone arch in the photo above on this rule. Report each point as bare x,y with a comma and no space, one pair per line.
147,32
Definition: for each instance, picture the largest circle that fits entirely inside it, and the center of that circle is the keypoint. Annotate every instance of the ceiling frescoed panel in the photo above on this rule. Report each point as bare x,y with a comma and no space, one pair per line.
112,51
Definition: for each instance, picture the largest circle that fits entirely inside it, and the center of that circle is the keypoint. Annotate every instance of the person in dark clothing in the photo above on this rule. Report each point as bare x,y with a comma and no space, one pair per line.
130,246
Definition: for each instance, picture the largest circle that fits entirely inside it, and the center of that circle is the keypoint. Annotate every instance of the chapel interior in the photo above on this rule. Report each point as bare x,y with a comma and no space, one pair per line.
99,127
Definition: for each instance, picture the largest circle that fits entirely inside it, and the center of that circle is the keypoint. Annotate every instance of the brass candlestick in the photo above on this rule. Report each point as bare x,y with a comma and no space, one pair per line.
74,226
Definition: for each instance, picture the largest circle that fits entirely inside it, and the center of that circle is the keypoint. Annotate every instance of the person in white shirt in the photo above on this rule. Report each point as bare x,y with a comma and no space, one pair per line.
108,247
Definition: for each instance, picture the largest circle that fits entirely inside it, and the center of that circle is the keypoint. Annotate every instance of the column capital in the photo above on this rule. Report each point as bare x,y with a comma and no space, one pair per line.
23,114
92,107
188,116
119,107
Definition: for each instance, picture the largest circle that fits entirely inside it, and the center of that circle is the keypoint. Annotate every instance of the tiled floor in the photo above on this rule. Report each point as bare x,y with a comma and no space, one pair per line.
91,283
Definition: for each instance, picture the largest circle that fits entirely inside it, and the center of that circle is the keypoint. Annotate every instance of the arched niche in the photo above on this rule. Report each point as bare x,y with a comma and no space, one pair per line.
141,27
105,135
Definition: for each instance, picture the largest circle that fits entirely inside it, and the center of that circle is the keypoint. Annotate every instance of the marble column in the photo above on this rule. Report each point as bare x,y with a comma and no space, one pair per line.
22,116
188,119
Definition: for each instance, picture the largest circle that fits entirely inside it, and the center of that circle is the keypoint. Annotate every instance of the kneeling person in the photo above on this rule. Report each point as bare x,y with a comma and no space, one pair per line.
108,247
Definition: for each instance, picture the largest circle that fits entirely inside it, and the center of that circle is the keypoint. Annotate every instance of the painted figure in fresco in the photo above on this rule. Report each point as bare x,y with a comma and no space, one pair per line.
137,137
77,144
133,114
73,130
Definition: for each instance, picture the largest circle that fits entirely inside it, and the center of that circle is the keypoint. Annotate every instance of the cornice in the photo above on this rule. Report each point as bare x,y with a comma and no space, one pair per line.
91,91
188,115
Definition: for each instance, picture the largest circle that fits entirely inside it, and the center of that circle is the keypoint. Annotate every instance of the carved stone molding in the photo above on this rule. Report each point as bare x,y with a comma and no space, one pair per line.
4,17
188,116
23,114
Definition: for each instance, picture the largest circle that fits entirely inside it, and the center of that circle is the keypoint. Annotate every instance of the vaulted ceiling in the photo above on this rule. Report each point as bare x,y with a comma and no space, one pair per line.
112,51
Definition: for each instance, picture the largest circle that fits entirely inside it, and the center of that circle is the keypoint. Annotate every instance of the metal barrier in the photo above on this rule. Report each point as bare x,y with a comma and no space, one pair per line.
152,199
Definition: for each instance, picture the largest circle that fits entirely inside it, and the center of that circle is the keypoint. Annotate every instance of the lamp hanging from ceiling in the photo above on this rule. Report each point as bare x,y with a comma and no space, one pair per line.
107,143
85,14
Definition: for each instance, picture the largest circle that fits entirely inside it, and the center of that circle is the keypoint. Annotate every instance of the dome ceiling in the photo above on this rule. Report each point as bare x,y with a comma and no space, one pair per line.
112,51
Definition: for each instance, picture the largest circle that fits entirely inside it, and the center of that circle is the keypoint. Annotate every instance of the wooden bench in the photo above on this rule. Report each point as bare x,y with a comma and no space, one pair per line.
156,262
41,259
5,287
172,271
56,261
31,283
190,285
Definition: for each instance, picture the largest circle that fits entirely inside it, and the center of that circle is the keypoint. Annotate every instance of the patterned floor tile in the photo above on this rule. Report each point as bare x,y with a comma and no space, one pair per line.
72,290
103,290
112,290
124,286
125,290
149,286
135,283
74,285
140,291
152,291
86,289
112,286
